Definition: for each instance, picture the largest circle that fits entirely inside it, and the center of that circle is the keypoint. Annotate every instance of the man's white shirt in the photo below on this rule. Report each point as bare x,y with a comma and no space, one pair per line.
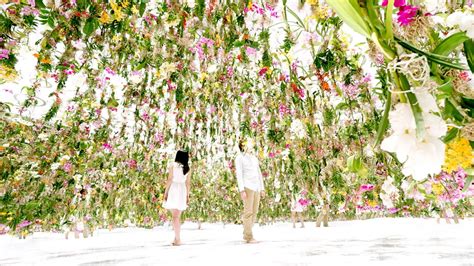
248,172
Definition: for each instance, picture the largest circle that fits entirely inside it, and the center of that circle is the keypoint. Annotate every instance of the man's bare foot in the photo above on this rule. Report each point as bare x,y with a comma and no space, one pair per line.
251,241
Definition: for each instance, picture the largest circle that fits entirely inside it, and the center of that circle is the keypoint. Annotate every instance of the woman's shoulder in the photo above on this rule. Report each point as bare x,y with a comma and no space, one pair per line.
174,165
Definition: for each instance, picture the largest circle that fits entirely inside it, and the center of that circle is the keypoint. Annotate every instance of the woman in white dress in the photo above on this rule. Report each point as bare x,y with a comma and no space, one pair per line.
177,191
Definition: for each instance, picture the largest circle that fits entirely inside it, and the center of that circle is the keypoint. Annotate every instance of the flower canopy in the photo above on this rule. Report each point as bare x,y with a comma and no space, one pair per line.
97,96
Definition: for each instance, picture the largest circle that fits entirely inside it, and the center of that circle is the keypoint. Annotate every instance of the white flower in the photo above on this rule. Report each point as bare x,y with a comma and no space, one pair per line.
276,183
135,77
421,157
389,193
191,3
297,129
43,136
77,80
55,166
167,68
277,197
464,20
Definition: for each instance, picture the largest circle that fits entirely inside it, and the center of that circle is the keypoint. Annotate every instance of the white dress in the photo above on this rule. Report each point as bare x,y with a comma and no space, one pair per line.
177,192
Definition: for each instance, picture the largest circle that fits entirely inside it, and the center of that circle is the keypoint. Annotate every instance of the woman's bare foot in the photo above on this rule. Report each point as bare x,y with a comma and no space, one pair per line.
251,241
176,243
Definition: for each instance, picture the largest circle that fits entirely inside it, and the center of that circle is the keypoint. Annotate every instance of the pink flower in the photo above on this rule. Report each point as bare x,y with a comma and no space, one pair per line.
23,224
366,187
250,51
393,210
398,3
463,75
4,229
230,71
109,71
107,147
145,116
283,109
67,167
4,54
272,155
132,164
406,14
263,71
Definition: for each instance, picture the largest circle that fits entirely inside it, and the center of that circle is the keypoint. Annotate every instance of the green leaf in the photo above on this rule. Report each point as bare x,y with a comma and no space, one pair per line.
469,52
351,14
450,110
415,107
39,4
439,59
452,133
447,88
388,20
91,25
468,183
297,17
141,8
384,123
448,45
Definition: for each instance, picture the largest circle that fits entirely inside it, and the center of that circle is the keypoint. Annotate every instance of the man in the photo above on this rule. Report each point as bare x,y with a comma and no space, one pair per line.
250,184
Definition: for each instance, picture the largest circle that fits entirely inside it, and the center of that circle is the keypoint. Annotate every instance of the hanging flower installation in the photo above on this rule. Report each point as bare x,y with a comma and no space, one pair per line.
123,84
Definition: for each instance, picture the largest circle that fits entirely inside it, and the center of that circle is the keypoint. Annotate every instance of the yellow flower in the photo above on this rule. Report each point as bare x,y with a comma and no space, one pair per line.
7,74
118,14
105,18
437,188
458,154
372,203
204,76
116,38
312,2
250,4
218,40
157,74
134,10
125,3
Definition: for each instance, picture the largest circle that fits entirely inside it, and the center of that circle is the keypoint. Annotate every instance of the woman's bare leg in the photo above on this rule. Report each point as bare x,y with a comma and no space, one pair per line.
177,226
293,218
300,217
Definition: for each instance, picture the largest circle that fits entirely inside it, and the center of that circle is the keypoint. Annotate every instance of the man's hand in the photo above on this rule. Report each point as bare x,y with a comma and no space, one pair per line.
262,194
165,197
243,195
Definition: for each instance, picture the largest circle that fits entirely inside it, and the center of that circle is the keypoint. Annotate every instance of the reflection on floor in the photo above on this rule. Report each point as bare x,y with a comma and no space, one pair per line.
370,242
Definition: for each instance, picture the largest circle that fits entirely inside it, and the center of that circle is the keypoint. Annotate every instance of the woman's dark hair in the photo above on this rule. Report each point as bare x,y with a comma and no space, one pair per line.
241,145
182,157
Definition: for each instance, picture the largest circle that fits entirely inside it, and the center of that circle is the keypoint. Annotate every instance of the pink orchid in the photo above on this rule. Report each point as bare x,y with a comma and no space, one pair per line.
406,14
397,3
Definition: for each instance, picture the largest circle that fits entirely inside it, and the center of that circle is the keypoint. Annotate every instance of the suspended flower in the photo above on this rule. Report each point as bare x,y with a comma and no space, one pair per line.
4,54
458,154
406,14
397,3
366,187
297,129
262,71
421,157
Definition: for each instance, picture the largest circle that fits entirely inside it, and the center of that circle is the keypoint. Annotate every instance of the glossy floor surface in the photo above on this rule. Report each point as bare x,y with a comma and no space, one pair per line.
386,241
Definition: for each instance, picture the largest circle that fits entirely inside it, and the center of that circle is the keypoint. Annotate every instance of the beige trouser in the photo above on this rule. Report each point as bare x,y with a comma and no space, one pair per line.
250,212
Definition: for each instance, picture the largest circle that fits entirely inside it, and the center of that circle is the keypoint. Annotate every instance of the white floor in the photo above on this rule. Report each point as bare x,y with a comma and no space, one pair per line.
369,242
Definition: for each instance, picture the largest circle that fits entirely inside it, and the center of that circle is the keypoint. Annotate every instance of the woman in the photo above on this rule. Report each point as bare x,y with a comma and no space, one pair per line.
177,191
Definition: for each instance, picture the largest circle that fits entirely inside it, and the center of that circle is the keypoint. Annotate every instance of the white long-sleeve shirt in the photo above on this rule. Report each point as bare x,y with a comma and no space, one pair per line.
248,172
